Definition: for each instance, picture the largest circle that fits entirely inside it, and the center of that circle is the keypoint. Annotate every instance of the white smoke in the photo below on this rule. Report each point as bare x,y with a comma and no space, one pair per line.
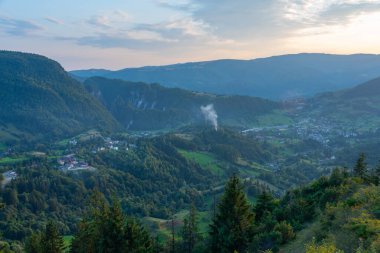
210,115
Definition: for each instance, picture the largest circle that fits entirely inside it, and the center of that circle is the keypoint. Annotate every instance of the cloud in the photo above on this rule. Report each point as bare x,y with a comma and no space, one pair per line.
133,39
123,33
100,21
271,20
327,12
179,5
109,20
54,21
18,27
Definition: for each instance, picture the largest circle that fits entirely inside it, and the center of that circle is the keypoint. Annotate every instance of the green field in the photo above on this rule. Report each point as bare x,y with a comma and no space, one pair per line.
205,160
11,160
274,119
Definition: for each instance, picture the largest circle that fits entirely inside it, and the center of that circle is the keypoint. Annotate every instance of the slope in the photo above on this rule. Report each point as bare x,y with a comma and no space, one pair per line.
139,106
357,106
39,99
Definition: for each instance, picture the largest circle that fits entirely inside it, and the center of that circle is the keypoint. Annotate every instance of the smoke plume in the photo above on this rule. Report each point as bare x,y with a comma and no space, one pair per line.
210,115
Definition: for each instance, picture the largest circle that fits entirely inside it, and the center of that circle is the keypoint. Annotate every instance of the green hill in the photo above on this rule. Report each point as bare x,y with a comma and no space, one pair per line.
39,99
358,106
139,106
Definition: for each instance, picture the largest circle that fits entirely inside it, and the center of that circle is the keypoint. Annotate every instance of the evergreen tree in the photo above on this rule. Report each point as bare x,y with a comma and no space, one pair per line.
51,241
232,225
190,232
265,204
111,227
137,238
360,168
47,242
33,243
107,229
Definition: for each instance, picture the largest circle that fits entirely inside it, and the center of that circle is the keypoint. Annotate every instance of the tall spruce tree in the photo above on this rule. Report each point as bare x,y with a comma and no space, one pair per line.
51,241
190,232
231,228
360,169
265,203
107,229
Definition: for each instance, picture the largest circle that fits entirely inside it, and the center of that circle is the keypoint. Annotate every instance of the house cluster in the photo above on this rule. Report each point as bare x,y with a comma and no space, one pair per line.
113,145
73,142
322,130
8,176
71,163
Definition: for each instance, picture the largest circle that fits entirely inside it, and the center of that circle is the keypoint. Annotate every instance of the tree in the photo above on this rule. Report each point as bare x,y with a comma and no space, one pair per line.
112,229
47,242
10,197
190,232
286,231
51,241
33,243
326,247
360,168
107,229
265,204
231,228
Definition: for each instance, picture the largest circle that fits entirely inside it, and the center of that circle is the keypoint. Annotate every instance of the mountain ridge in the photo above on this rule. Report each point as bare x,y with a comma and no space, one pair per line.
276,77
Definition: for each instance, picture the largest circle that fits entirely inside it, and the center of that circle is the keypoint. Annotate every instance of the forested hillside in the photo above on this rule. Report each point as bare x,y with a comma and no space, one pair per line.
38,99
140,106
358,106
339,213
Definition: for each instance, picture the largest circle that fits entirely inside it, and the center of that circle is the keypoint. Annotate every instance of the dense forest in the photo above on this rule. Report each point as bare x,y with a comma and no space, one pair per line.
39,100
140,106
338,213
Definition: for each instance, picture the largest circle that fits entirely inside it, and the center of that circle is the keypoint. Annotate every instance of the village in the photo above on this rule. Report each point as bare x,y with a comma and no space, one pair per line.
70,162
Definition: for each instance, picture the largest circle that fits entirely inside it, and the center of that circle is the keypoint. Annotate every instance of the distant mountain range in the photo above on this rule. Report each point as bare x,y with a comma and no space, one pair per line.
277,77
39,99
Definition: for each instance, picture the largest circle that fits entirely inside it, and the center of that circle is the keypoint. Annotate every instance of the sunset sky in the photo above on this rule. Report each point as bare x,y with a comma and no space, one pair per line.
115,34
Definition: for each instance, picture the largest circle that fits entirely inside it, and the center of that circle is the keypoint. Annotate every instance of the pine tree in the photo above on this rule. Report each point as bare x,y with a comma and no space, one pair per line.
107,229
137,238
33,243
265,203
51,241
112,229
190,232
360,168
233,222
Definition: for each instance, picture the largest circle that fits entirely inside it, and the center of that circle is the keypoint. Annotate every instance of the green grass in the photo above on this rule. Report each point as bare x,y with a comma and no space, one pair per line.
205,160
274,119
67,242
11,160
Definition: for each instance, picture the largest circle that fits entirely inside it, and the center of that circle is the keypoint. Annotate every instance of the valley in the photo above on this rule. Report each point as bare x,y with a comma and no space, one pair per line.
160,150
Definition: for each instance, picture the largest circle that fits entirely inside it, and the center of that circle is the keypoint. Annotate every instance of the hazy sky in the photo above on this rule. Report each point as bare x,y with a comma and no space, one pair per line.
124,33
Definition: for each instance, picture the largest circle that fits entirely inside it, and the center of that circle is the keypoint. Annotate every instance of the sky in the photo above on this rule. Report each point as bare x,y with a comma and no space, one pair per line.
115,34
